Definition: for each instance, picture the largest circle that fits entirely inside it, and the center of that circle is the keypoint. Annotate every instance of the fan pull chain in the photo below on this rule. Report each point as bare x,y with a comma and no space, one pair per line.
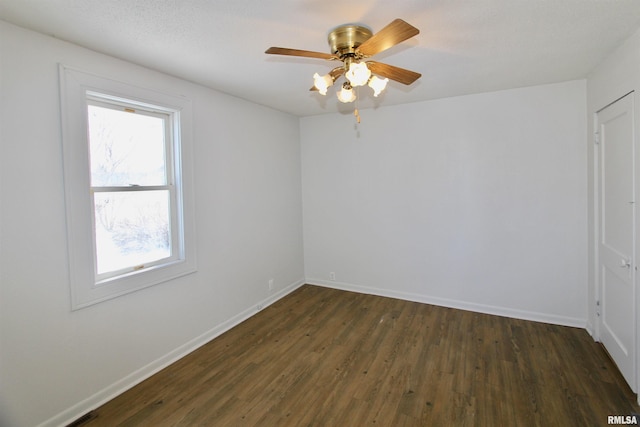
356,113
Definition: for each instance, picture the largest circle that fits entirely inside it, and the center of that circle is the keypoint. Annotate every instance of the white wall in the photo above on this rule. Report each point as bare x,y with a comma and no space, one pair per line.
476,202
614,77
56,364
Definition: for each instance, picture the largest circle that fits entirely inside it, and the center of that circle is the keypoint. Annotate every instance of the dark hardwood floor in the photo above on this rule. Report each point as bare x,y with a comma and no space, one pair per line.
324,357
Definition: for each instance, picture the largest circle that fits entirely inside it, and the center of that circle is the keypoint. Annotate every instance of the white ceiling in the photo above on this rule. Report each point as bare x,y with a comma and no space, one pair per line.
464,46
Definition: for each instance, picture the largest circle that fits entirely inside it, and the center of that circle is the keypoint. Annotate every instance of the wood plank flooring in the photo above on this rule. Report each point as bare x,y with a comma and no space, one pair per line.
324,357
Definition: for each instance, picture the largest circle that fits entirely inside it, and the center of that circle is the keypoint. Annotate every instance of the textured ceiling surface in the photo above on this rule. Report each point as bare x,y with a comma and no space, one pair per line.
464,46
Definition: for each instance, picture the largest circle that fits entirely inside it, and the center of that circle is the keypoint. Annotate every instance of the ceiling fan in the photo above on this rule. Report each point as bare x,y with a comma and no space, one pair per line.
353,44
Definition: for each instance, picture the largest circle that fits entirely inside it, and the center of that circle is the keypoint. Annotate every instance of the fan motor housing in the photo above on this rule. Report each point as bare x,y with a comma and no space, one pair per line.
345,39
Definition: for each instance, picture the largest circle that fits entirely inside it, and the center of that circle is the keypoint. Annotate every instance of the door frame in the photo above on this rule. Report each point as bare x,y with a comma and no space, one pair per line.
636,240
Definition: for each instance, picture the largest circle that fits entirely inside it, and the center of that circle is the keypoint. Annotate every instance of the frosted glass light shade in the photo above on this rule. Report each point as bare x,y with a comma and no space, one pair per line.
358,74
378,85
322,83
346,95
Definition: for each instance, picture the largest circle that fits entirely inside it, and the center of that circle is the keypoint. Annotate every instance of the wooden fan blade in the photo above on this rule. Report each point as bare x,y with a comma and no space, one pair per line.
396,32
394,73
335,73
298,52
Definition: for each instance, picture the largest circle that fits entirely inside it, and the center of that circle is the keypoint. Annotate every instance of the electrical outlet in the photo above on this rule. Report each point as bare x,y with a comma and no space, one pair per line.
332,276
270,284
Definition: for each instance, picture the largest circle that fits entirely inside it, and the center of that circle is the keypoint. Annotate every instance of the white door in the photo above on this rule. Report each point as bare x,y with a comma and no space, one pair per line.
616,235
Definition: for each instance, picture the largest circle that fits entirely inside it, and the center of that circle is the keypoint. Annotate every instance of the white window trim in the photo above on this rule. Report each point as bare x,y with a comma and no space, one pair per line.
75,88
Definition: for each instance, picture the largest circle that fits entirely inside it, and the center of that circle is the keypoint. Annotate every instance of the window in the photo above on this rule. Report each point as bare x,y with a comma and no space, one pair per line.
129,214
132,187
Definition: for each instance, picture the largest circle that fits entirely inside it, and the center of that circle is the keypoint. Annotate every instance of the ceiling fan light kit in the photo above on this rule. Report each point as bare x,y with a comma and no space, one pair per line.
353,44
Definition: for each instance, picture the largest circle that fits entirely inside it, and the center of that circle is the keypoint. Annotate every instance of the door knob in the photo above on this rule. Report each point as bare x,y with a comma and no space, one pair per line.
625,263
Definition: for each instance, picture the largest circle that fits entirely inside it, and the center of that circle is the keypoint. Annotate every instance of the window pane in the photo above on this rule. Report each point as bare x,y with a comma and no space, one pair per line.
125,148
132,228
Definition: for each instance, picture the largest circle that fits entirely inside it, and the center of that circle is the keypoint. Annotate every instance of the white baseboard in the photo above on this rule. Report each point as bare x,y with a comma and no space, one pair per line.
76,411
591,330
462,305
